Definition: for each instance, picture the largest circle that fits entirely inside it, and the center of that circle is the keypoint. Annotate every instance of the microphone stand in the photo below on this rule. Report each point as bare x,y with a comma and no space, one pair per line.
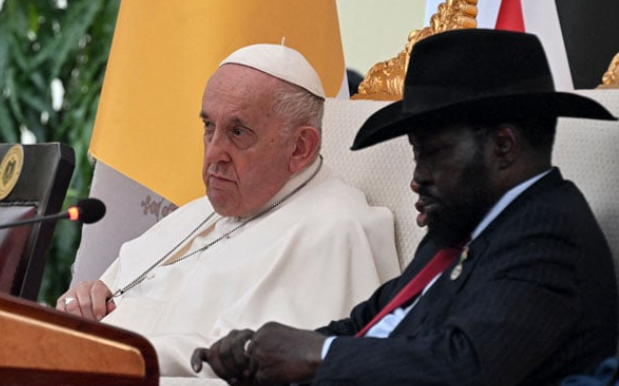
35,220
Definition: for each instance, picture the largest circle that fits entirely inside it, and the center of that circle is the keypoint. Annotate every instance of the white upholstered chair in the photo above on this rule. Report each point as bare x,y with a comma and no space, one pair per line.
587,151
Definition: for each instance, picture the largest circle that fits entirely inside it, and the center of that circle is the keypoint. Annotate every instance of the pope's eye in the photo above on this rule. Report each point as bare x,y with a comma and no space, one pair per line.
243,137
237,131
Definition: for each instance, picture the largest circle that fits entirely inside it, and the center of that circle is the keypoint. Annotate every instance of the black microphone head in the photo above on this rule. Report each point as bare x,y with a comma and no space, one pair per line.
91,210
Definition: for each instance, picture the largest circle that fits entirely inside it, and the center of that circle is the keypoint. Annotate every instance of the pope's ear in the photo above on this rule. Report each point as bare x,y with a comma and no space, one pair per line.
306,146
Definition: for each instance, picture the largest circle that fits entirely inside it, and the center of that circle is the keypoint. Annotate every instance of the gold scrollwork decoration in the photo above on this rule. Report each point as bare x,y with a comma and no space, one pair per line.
385,80
611,76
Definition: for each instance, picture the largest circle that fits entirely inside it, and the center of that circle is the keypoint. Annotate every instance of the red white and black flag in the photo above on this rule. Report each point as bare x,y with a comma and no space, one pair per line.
580,36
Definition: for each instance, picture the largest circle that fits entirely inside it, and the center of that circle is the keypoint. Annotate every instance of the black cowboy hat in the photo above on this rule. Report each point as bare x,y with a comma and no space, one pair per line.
475,75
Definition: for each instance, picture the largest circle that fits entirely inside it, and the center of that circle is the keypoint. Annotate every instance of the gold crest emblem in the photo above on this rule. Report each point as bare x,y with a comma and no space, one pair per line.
10,169
456,272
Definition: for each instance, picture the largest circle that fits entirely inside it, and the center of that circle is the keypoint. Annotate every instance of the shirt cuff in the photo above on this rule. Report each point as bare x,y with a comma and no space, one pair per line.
326,346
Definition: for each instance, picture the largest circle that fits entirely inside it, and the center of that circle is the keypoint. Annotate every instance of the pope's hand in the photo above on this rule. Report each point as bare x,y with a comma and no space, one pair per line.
87,299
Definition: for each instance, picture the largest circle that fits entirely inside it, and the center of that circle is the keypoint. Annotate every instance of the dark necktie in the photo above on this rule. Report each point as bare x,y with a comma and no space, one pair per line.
439,262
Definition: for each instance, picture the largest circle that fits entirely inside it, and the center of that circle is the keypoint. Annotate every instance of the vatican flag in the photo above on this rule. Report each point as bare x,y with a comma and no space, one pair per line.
163,53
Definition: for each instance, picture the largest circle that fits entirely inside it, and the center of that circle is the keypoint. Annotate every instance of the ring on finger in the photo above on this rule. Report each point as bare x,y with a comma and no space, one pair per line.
247,346
68,300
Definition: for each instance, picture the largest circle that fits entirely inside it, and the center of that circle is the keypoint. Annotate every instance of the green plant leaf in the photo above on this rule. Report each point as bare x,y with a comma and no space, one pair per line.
27,68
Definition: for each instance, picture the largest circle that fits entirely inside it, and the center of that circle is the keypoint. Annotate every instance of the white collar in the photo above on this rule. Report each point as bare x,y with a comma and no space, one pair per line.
293,183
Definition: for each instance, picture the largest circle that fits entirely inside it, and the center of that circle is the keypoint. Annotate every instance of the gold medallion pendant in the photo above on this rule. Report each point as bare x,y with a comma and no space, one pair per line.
455,273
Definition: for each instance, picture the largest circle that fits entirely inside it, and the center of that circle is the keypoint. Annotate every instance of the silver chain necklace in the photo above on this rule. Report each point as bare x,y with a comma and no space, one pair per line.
140,278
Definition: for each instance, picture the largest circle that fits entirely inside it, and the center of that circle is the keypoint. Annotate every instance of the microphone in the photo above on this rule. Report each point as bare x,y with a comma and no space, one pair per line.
88,211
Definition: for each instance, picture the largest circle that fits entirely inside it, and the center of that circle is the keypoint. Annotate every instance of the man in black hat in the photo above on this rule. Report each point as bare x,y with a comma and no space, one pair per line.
514,282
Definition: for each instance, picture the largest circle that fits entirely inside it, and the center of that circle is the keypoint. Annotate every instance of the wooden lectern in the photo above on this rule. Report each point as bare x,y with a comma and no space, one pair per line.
41,346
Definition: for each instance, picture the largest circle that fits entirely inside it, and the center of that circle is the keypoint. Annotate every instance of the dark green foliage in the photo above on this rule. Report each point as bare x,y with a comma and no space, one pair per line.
39,43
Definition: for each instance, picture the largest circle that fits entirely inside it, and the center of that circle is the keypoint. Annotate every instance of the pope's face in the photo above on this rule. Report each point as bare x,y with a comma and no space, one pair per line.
453,180
246,153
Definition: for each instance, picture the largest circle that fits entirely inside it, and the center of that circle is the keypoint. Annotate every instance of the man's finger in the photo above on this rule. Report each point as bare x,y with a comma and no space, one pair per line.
199,355
241,350
212,358
110,305
251,370
85,304
232,353
98,295
71,304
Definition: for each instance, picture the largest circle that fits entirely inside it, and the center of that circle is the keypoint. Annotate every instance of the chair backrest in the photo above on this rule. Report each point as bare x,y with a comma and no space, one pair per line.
587,152
382,172
39,189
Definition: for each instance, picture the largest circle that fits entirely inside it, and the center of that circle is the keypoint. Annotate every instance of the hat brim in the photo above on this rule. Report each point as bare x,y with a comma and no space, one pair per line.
391,121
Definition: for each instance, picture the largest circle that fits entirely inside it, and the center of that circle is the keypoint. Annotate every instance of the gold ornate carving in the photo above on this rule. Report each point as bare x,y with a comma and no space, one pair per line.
385,80
611,77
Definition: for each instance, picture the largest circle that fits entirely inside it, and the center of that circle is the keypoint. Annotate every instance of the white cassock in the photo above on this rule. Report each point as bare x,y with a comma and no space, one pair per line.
305,263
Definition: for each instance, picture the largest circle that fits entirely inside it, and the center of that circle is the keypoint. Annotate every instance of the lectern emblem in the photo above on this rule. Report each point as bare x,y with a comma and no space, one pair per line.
10,169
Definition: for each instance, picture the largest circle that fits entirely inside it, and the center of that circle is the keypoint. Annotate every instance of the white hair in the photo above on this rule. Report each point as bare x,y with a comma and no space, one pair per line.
298,107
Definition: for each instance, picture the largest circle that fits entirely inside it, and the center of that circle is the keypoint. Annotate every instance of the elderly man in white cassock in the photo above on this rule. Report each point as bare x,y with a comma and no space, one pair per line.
277,236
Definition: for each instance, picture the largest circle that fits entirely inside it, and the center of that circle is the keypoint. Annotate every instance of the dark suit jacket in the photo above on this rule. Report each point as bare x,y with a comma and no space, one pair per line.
536,301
